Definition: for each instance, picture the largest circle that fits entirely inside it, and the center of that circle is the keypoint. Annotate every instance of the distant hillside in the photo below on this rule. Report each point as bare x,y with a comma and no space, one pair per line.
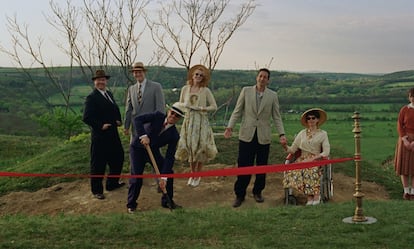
20,97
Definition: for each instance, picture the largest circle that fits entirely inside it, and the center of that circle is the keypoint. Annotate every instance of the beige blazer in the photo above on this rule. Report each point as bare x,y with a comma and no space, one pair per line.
254,118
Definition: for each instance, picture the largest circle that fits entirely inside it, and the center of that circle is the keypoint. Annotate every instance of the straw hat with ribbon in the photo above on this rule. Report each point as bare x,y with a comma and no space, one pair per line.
322,116
206,73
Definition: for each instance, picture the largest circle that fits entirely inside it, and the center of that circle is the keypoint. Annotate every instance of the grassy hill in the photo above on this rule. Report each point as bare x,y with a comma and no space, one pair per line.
50,155
213,227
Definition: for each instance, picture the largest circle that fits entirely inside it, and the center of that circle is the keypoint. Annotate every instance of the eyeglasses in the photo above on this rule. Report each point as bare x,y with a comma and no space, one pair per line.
199,74
309,118
173,113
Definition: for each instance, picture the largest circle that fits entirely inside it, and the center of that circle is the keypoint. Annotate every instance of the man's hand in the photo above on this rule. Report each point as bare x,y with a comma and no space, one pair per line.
163,184
228,132
283,140
106,126
145,140
126,132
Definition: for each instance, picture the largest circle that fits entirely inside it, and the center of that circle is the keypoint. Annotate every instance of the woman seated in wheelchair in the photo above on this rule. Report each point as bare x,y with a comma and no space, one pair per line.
313,144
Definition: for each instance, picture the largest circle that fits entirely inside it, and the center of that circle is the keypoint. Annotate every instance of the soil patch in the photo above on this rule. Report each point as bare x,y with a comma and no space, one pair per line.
76,198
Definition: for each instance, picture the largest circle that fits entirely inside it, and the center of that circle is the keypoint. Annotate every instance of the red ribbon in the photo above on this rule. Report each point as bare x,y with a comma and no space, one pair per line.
250,170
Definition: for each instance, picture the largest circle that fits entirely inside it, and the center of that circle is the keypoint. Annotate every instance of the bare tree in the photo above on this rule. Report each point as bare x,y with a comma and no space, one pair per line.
96,34
202,29
112,34
102,34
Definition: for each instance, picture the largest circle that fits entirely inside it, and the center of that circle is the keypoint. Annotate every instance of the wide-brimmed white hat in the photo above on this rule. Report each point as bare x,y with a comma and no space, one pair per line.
177,108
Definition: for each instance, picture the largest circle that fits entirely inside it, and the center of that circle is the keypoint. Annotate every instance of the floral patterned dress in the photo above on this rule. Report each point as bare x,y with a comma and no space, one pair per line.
307,180
196,142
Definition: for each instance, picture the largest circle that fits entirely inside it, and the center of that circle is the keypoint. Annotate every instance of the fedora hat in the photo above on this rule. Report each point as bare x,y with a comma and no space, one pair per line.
138,66
206,73
100,74
177,108
322,116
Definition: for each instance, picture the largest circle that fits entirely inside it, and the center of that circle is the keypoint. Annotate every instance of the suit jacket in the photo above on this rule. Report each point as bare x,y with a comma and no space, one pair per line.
98,111
256,119
151,124
152,100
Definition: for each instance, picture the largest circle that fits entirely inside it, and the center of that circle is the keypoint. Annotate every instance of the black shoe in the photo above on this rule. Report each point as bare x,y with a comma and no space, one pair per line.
237,203
99,196
173,205
258,198
116,186
131,210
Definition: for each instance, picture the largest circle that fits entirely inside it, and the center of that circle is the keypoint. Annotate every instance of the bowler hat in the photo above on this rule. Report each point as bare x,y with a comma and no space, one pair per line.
322,116
100,74
138,66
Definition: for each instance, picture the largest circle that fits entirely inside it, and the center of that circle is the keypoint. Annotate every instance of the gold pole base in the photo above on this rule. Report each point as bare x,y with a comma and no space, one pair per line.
367,220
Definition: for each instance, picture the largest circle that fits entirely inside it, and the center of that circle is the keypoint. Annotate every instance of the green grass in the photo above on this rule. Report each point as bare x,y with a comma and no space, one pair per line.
18,149
212,227
217,227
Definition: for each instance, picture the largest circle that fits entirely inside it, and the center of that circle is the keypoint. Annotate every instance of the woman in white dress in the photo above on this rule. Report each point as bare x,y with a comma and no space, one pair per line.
196,144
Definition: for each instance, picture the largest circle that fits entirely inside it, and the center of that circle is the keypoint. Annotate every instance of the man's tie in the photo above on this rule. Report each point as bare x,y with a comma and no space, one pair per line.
107,97
139,93
163,127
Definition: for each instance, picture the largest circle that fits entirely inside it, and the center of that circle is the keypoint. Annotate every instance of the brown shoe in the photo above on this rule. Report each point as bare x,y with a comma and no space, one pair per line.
237,203
407,196
258,198
411,197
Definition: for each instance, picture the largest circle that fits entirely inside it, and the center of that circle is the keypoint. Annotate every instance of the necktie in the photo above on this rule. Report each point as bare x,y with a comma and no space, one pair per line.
139,93
107,97
163,127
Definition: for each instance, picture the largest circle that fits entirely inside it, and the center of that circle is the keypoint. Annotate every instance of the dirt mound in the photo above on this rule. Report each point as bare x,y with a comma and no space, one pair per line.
76,198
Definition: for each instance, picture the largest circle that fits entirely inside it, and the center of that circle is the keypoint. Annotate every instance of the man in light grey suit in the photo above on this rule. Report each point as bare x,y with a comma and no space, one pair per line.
143,97
256,106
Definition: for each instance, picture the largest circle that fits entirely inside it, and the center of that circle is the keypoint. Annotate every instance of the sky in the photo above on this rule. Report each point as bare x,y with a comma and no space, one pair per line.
350,36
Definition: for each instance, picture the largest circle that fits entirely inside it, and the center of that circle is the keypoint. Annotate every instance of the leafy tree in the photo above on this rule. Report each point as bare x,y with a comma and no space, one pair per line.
60,123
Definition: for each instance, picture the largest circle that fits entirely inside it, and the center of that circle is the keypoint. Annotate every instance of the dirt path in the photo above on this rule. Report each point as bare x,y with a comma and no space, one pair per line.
75,197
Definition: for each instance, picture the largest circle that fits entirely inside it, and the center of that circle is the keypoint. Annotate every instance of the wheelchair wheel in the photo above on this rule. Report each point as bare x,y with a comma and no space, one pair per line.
327,183
289,198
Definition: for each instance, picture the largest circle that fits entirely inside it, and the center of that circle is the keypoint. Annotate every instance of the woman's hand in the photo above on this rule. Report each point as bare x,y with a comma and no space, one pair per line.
406,143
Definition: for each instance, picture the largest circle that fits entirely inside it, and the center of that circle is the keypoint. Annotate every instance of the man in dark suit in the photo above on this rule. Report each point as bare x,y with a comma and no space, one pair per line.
102,114
157,130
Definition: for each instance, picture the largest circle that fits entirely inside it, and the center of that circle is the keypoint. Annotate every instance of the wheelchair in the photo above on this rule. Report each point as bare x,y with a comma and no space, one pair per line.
326,179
